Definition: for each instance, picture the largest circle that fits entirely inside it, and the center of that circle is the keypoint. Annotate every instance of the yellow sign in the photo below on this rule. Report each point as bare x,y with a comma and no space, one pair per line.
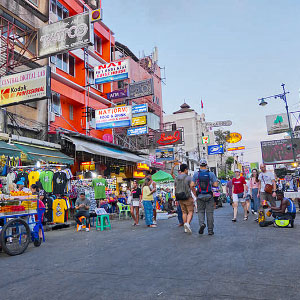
233,138
139,121
236,148
138,174
141,166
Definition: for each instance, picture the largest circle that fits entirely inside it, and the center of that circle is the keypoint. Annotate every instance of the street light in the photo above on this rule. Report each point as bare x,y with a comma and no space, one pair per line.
282,97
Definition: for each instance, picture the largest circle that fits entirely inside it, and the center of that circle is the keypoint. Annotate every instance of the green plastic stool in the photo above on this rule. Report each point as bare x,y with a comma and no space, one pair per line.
100,222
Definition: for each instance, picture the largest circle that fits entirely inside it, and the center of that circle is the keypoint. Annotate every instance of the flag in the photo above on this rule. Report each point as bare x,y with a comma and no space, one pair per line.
201,104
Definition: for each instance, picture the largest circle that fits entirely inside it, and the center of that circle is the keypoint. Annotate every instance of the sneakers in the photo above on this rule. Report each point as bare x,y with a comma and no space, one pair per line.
211,233
233,220
252,211
79,227
154,222
87,229
202,227
187,228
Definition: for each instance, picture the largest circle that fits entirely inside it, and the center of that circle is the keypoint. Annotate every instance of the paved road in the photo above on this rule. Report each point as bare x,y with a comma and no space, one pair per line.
241,261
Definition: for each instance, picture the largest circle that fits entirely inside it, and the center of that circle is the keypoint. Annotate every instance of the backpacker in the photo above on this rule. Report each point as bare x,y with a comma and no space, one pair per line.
203,183
182,188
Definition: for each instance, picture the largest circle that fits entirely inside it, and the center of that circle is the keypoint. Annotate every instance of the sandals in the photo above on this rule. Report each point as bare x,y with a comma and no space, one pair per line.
233,220
245,218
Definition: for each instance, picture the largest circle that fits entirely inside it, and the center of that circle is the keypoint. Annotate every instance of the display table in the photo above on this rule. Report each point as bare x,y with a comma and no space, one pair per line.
292,195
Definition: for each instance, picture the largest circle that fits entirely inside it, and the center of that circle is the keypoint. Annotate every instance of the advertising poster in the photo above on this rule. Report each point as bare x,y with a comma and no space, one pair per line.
113,117
277,123
215,149
164,154
25,87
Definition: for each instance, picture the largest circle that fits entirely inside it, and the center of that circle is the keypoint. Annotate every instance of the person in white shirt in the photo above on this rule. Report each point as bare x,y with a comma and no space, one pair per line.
266,178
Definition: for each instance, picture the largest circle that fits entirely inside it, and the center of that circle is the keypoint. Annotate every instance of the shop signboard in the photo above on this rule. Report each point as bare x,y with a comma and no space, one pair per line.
143,167
141,89
137,130
215,149
25,87
155,163
117,94
113,117
219,123
138,174
277,123
139,121
113,71
166,154
236,148
205,139
233,138
141,108
167,138
65,35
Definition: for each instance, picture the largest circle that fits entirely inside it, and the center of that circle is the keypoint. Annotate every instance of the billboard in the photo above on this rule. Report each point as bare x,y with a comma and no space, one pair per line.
277,123
113,117
116,70
233,138
139,121
65,35
167,138
205,139
25,87
141,89
219,123
164,154
236,148
137,130
141,108
117,94
215,149
279,151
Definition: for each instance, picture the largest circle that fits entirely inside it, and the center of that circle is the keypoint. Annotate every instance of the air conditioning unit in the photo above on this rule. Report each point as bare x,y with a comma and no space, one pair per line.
51,117
53,68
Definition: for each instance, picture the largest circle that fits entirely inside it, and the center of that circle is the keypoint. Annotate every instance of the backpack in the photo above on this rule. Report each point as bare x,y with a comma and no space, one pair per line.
182,188
204,185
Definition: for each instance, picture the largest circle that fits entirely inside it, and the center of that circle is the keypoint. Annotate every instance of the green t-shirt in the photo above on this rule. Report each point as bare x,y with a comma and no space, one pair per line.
46,178
99,185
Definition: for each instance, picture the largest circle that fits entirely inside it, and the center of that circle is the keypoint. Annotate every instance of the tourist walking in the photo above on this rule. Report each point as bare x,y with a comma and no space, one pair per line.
147,203
254,184
239,189
229,190
183,192
136,195
204,181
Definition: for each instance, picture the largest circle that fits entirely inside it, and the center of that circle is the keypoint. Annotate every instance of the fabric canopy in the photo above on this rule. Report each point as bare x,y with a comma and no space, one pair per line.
9,150
45,154
160,176
85,146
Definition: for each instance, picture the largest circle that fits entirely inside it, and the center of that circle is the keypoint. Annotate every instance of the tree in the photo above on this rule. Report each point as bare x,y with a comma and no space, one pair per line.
229,162
221,139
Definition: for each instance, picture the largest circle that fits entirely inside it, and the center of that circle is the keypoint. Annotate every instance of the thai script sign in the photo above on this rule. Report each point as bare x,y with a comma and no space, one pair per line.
116,70
236,148
168,138
141,89
117,94
65,35
141,108
215,149
113,117
164,154
233,138
219,123
137,130
277,123
26,86
138,121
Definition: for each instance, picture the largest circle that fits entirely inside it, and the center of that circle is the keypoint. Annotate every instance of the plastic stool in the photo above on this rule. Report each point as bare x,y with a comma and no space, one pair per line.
100,222
83,221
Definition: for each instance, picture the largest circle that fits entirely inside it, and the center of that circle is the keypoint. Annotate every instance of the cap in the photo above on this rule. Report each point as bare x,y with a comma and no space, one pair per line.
237,170
203,162
21,182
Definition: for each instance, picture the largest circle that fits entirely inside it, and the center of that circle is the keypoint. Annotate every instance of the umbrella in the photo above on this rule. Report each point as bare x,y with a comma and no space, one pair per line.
160,176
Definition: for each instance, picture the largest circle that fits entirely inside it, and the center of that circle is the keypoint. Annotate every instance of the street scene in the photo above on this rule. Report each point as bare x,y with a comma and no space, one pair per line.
149,149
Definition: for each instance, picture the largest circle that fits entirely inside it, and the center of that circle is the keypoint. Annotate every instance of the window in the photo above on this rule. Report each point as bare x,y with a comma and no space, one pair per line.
157,100
173,126
98,87
58,9
98,44
153,99
65,62
71,111
55,104
121,84
35,2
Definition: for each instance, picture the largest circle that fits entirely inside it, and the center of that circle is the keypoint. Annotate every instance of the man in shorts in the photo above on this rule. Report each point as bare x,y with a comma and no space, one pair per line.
239,190
266,177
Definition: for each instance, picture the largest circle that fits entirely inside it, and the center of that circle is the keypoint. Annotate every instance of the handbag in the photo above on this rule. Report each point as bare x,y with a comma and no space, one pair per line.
268,187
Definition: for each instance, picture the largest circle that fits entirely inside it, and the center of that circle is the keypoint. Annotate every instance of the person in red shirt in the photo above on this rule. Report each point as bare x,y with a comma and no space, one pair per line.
239,189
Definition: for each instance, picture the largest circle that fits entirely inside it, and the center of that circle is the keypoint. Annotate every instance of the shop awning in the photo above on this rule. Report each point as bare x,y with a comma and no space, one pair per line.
98,149
9,150
45,154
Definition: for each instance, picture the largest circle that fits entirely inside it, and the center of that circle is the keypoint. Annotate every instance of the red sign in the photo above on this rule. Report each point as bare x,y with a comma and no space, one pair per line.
168,138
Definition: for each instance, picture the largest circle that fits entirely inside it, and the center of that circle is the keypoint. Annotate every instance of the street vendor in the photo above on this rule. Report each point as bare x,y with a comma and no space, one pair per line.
286,208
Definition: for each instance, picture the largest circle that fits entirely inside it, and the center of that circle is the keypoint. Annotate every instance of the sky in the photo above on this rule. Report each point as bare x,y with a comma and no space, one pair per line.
230,53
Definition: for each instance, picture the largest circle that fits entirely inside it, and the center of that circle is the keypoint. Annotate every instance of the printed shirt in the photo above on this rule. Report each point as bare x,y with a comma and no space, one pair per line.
238,185
253,183
46,178
33,177
59,208
265,178
99,185
136,193
59,183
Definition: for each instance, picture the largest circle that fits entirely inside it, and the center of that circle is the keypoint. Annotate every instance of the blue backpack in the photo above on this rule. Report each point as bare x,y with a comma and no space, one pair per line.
204,185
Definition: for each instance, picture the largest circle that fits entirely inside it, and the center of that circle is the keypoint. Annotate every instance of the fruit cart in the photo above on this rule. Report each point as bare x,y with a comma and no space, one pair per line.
20,222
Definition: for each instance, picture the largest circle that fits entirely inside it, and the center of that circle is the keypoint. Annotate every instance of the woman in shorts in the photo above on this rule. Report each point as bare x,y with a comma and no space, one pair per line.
136,195
239,189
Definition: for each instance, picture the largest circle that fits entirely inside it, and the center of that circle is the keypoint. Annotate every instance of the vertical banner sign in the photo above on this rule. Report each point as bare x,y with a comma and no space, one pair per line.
113,117
141,89
116,70
65,35
164,154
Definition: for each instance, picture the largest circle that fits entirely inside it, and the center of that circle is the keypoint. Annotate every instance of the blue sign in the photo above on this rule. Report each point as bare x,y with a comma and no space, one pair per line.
141,108
166,154
137,130
215,149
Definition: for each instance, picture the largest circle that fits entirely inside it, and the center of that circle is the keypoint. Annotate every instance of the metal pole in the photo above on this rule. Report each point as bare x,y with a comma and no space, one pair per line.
289,121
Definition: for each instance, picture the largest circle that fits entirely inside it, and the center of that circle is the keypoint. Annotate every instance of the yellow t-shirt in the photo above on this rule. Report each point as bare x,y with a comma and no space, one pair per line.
59,206
33,177
146,194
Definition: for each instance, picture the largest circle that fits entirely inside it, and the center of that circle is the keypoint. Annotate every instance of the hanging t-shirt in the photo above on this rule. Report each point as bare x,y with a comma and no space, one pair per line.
99,185
46,178
59,183
48,216
22,176
59,208
10,178
33,177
